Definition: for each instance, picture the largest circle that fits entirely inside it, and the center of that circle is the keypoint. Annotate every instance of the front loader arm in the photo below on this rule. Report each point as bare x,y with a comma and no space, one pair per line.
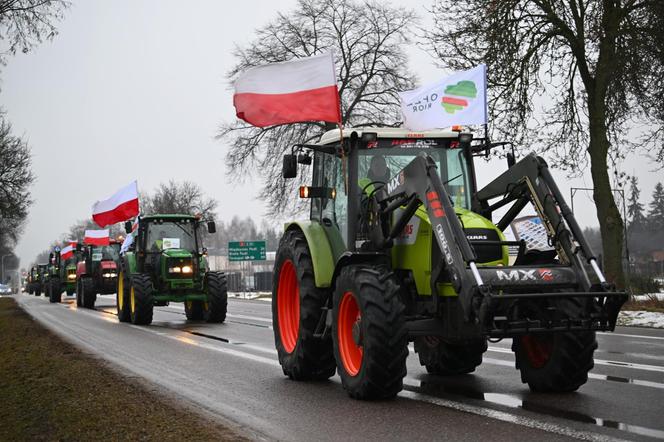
419,183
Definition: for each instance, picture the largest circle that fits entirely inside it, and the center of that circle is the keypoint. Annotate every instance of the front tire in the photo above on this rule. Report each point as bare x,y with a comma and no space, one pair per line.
141,300
88,296
369,332
214,311
79,301
122,299
297,307
54,290
556,362
442,358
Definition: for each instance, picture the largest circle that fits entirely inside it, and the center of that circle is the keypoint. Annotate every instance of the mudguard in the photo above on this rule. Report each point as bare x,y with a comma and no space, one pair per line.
320,248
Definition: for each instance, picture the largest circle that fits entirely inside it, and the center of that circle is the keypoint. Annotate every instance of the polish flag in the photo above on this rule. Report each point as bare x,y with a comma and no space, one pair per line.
66,252
304,89
119,207
97,237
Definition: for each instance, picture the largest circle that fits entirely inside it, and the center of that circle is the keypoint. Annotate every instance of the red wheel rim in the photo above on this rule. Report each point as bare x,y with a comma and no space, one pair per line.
538,349
288,306
349,317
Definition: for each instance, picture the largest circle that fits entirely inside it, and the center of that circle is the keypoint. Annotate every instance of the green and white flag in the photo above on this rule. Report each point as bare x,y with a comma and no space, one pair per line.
459,99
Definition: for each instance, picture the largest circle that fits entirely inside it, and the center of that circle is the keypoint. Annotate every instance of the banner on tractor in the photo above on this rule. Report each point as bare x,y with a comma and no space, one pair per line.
121,206
97,237
294,91
459,99
66,252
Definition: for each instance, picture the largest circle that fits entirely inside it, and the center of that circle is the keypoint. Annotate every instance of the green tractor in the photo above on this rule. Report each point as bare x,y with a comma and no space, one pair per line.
167,263
400,246
34,280
60,276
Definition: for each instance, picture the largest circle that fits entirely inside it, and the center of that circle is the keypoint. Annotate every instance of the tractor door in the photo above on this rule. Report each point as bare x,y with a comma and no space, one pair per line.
331,213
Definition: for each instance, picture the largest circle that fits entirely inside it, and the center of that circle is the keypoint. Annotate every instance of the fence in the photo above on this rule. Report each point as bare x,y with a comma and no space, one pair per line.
244,276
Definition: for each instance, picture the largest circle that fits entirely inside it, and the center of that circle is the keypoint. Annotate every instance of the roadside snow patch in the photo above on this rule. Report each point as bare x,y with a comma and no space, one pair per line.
641,319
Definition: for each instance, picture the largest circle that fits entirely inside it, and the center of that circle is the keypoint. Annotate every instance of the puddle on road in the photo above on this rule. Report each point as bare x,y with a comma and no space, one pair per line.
444,391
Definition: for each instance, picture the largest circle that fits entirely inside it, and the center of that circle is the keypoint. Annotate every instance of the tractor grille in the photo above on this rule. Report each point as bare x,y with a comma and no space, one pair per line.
179,263
485,252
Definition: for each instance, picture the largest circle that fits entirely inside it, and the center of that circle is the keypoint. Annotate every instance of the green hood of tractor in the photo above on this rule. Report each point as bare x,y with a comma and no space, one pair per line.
412,250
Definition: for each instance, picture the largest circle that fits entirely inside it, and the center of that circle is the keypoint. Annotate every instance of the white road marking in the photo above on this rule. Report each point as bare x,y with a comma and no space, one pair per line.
660,338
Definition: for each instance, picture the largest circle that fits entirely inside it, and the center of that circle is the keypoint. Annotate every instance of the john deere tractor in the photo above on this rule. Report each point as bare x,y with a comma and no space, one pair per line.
34,281
96,272
60,276
167,263
401,246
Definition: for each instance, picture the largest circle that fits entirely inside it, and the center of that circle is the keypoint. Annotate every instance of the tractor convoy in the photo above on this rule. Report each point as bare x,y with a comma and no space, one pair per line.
400,246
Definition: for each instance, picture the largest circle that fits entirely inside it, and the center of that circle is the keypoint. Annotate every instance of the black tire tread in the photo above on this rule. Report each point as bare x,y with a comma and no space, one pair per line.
313,357
447,359
144,300
384,332
572,358
217,293
88,296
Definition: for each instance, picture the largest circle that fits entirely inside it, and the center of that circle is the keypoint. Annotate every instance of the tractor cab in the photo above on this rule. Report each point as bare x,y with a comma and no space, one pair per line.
96,272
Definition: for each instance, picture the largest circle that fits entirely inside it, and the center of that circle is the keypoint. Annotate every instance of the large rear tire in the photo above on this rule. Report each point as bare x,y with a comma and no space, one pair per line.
369,332
141,300
122,298
297,307
88,295
556,362
442,358
214,311
54,290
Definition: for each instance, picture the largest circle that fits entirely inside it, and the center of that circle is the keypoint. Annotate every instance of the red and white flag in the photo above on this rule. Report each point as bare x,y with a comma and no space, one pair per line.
304,89
119,207
97,237
66,252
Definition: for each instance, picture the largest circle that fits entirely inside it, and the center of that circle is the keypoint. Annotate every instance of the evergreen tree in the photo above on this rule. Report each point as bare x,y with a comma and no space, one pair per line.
656,214
634,206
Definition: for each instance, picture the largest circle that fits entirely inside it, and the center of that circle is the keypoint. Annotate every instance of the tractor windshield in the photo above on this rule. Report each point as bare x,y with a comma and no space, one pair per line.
171,235
380,164
104,253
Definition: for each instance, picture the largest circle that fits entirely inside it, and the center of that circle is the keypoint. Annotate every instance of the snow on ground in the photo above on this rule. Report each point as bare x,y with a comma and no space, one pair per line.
641,318
647,297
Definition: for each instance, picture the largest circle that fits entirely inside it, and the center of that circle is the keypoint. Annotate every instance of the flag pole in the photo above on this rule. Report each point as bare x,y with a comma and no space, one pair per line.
343,157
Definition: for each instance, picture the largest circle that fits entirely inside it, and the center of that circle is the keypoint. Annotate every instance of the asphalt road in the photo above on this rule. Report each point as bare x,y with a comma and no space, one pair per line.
231,371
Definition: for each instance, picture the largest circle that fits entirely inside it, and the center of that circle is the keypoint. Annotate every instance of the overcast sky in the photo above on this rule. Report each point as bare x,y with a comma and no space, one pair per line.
136,90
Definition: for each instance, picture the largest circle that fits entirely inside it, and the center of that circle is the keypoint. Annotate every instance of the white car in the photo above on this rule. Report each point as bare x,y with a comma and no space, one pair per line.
5,289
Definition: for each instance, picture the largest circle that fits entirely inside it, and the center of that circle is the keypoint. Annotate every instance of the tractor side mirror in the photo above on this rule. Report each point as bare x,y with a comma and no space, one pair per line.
211,226
128,227
290,166
511,161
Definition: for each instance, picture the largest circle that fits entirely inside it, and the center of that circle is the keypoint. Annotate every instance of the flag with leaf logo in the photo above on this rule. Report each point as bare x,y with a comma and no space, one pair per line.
459,99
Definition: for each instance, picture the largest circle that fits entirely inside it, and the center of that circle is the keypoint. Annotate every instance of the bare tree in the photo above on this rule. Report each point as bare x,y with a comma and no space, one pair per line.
367,41
179,197
15,180
595,66
26,23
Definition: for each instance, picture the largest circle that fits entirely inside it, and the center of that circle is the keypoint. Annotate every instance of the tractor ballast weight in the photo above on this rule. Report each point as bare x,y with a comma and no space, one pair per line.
168,263
409,252
97,272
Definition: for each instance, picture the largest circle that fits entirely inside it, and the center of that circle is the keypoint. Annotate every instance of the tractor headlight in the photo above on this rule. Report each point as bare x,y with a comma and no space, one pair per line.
187,269
174,270
71,276
110,275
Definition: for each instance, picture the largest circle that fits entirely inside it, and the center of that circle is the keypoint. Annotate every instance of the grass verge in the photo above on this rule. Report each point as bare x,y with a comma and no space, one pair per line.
650,304
49,390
